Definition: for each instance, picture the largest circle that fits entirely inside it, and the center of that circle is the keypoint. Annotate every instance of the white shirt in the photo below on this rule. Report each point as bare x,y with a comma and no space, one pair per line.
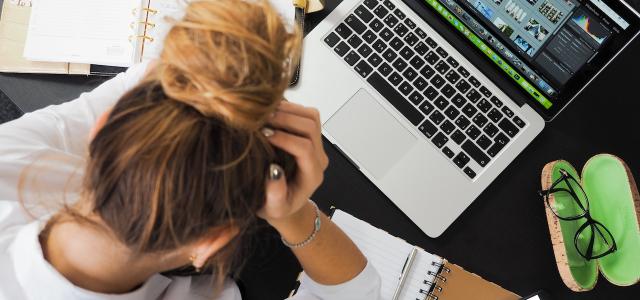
59,135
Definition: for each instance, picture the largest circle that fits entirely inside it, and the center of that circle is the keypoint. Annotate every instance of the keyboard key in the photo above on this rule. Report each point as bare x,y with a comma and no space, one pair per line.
376,25
485,91
461,160
363,68
411,38
410,74
448,91
431,93
407,52
391,21
495,115
463,86
428,129
480,120
389,55
495,149
458,100
502,139
452,76
437,117
441,103
463,72
519,122
401,30
379,46
365,51
371,4
474,81
399,14
462,122
496,102
422,48
440,140
470,172
369,36
484,142
426,108
410,23
389,5
355,24
448,152
405,88
427,72
442,52
364,14
354,41
473,132
469,110
508,127
431,42
484,105
452,112
375,60
432,58
447,127
416,62
400,65
437,81
442,67
416,98
381,11
476,153
343,31
396,44
385,69
396,99
421,33
420,84
342,49
386,34
454,63
332,39
458,137
507,112
395,78
352,58
473,96
491,130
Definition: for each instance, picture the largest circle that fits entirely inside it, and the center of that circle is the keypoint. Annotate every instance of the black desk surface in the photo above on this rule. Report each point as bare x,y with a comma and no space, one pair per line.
502,236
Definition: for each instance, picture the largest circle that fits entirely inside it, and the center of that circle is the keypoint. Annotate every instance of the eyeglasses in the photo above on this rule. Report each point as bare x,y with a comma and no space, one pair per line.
592,239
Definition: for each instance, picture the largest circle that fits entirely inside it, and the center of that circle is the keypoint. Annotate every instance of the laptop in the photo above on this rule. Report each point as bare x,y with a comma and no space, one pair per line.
433,99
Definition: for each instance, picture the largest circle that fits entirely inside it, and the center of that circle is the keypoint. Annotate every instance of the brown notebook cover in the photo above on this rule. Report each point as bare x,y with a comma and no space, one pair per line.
455,283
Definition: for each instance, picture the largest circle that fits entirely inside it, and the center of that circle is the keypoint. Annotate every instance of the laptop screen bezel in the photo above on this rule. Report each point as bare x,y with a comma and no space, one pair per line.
506,84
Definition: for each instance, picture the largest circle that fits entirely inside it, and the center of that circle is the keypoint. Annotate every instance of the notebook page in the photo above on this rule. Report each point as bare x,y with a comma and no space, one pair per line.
419,280
82,31
175,9
384,251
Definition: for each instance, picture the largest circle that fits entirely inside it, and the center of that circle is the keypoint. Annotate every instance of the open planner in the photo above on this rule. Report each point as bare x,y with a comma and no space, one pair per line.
426,276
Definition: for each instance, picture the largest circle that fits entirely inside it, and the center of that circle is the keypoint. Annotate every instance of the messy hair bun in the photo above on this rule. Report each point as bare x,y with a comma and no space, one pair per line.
229,59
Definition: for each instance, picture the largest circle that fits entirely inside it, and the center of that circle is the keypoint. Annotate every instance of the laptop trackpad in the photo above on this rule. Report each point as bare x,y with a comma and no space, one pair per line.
370,134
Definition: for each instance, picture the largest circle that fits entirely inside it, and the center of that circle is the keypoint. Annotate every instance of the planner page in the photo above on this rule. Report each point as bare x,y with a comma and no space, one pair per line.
83,31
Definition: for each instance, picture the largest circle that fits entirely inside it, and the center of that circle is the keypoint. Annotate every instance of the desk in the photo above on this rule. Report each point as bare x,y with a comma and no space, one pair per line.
502,236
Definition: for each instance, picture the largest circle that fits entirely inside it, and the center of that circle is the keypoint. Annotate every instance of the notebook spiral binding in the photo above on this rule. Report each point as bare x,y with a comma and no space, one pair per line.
438,276
145,23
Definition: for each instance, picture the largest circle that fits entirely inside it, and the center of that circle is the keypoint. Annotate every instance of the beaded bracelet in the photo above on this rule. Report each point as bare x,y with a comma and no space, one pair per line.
312,236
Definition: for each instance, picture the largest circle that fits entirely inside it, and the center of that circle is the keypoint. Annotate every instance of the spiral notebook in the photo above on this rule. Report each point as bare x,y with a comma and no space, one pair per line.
427,276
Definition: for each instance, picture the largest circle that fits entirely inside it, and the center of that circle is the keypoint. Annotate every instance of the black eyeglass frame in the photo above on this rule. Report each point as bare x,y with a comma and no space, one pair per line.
590,222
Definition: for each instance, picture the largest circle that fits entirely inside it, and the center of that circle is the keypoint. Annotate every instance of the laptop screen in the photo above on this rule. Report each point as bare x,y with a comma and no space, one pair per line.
550,48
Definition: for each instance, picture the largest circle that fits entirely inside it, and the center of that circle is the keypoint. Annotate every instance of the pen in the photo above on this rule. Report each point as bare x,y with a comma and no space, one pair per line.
405,270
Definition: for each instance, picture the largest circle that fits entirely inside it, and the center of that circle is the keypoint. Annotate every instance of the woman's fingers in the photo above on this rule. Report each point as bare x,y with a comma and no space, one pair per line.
297,109
298,125
277,200
300,147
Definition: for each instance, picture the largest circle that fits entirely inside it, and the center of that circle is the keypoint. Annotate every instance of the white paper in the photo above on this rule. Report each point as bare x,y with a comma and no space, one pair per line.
82,31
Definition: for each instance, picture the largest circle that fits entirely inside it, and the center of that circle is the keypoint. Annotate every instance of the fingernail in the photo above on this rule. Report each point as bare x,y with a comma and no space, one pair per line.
267,132
275,172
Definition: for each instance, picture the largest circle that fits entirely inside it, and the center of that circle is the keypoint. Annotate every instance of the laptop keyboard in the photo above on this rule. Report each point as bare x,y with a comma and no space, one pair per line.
459,115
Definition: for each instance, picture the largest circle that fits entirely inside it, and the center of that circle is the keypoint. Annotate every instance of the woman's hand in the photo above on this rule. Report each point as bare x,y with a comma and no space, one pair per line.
296,130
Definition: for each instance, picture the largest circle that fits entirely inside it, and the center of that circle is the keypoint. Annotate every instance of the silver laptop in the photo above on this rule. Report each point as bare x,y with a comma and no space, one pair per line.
433,99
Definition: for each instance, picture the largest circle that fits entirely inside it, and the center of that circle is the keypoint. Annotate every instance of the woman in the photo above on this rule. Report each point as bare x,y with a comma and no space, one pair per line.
183,157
